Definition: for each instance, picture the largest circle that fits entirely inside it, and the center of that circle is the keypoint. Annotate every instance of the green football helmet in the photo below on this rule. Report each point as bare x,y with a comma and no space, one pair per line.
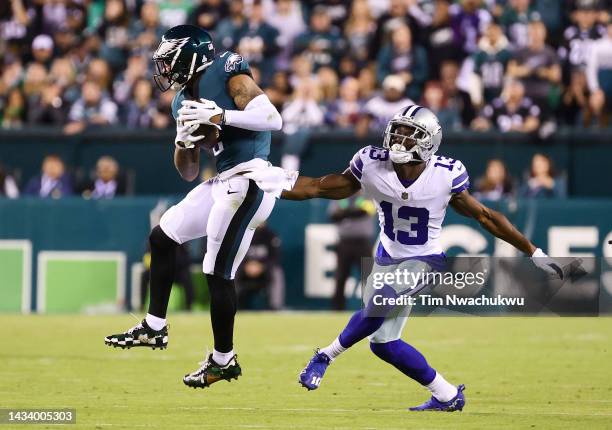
183,51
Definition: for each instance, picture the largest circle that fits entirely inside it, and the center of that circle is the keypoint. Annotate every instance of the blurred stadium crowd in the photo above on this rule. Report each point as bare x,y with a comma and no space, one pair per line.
527,66
514,65
510,65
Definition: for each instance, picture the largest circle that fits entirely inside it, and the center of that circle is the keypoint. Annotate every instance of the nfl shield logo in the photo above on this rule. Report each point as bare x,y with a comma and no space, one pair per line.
405,195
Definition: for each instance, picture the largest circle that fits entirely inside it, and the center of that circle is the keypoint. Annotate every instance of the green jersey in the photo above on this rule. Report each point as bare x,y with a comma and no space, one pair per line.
236,145
491,67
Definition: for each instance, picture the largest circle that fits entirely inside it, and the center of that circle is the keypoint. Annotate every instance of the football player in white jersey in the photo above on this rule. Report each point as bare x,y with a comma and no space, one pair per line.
411,187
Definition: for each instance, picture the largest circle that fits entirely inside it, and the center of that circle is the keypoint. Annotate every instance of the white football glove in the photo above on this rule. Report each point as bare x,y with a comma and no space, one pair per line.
184,139
547,264
273,179
199,112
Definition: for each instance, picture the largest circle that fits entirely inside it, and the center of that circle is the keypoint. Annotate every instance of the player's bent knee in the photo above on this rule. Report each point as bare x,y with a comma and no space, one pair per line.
172,224
220,288
381,350
208,267
383,336
212,272
160,240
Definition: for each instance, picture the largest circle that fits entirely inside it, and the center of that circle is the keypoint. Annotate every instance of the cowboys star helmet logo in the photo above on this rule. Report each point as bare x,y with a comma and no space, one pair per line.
168,46
231,62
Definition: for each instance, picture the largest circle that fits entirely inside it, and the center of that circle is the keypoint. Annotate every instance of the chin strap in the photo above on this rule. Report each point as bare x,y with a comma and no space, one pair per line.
400,156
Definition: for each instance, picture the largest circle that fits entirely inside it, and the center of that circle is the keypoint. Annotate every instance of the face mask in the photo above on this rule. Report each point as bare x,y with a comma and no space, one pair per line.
399,155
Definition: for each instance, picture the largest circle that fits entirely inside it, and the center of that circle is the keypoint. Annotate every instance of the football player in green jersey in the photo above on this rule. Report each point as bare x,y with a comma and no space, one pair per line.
213,90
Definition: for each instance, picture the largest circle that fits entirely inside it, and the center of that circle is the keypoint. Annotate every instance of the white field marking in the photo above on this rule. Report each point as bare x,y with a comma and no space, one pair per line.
501,399
291,348
247,426
352,410
590,337
133,357
450,342
571,414
586,401
26,276
378,411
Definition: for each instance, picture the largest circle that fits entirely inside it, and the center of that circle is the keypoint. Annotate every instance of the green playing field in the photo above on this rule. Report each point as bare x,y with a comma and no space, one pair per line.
534,373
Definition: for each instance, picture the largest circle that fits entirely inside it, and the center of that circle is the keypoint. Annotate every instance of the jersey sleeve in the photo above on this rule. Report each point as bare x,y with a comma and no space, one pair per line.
356,165
234,65
460,178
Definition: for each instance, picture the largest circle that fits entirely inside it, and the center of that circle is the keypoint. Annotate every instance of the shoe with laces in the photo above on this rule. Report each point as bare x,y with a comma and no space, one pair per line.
455,404
311,376
139,335
210,372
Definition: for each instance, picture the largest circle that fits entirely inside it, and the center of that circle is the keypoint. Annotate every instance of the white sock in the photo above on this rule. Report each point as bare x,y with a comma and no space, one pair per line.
334,349
156,323
441,389
222,358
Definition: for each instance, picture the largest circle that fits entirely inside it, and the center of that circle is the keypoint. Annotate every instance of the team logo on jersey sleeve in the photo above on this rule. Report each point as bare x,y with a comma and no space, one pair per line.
232,62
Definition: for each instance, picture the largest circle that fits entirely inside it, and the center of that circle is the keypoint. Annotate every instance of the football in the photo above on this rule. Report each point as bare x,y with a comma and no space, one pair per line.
210,133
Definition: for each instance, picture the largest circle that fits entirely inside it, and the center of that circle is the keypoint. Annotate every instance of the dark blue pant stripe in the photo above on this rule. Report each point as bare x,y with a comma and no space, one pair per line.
235,231
245,223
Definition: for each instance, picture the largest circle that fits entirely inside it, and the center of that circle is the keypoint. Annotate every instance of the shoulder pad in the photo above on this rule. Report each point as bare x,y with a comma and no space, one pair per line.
454,171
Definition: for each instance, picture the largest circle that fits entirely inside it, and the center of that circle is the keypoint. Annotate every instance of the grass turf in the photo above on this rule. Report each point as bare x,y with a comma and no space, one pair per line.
546,373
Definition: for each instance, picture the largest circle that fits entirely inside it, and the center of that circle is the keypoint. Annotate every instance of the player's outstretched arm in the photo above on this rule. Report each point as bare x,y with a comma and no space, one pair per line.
492,221
334,186
499,226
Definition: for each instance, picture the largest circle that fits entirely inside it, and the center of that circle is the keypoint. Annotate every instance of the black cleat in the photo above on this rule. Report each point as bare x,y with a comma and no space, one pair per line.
211,372
139,335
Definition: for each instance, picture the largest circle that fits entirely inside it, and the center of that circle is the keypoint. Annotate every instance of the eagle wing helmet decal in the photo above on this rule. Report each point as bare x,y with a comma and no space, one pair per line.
168,46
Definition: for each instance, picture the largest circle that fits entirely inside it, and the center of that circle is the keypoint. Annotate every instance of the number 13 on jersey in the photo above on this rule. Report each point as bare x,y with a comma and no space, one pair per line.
416,220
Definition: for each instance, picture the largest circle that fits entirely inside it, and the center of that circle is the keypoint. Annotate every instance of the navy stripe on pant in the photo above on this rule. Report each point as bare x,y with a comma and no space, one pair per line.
235,231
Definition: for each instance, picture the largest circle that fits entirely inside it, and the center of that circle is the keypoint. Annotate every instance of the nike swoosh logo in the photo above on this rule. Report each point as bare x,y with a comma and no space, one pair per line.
223,55
232,192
